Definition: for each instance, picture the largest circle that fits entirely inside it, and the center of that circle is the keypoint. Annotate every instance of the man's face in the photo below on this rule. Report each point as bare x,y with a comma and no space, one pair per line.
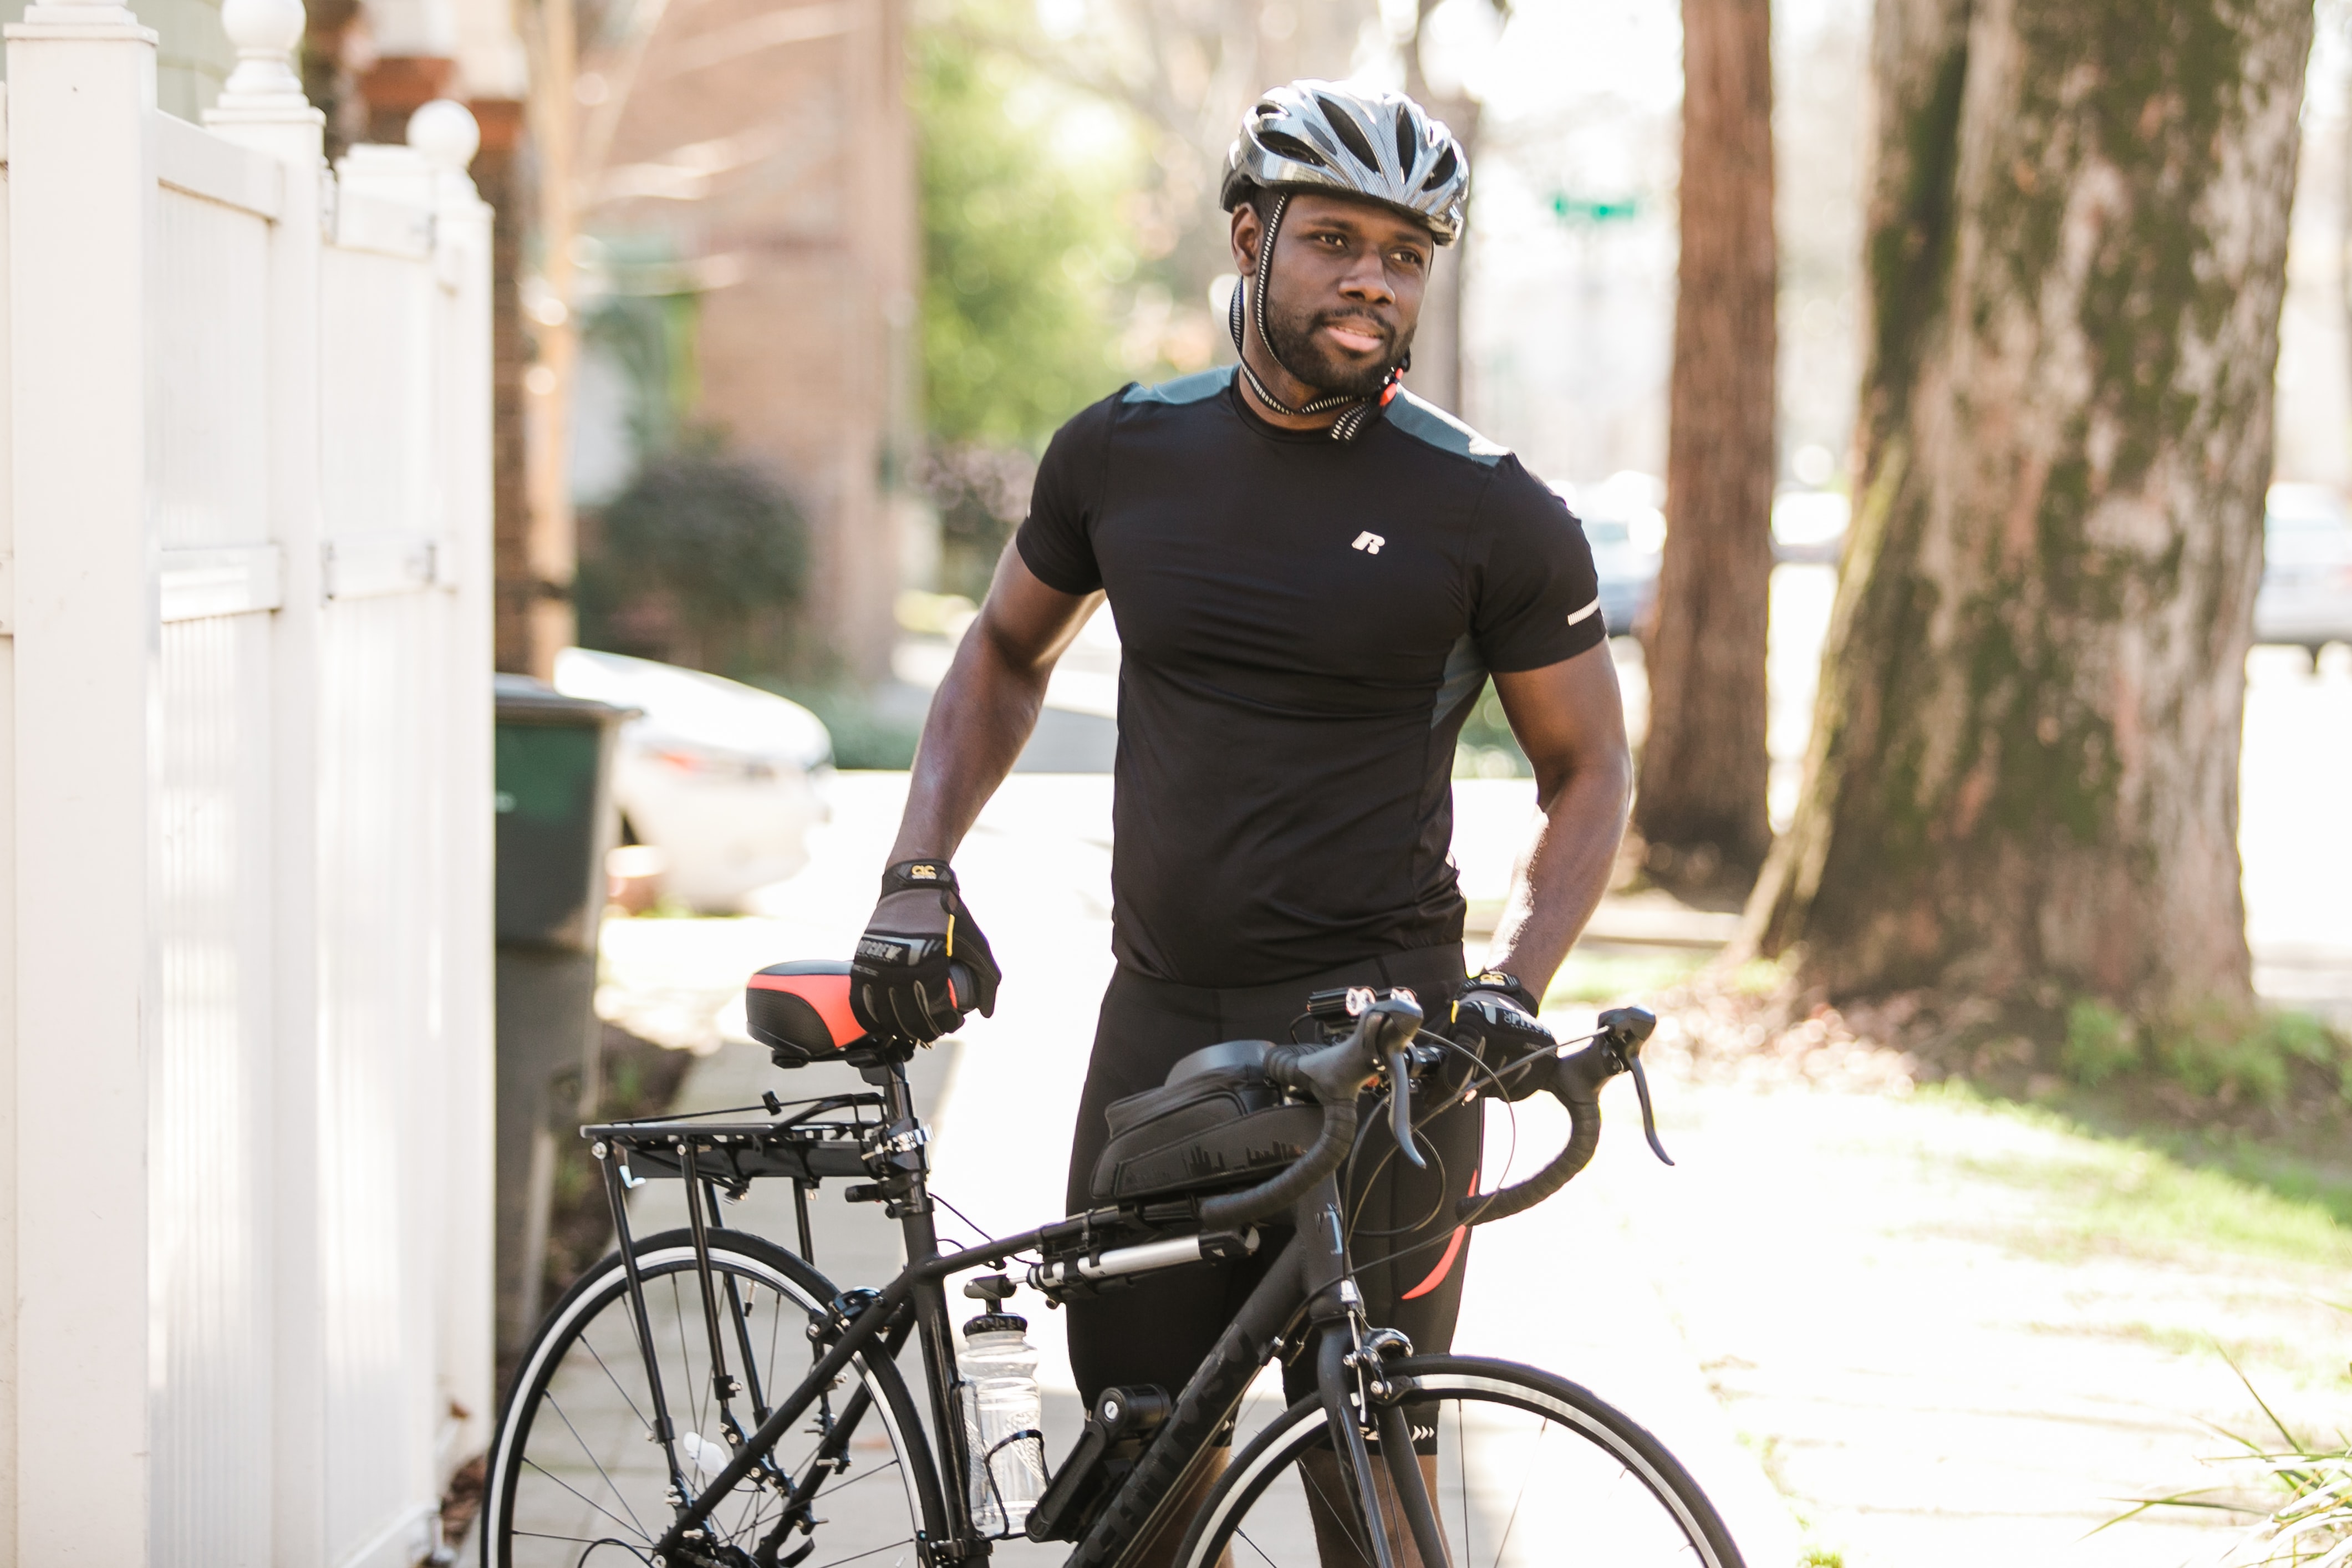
1345,291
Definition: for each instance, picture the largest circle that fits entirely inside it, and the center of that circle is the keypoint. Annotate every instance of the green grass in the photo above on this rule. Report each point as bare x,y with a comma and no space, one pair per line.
2130,1194
1612,977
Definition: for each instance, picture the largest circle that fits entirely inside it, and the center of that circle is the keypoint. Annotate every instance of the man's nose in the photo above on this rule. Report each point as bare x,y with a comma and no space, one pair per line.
1367,281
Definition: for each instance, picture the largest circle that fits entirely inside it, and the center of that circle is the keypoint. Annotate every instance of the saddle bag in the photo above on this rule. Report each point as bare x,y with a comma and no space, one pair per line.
1215,1123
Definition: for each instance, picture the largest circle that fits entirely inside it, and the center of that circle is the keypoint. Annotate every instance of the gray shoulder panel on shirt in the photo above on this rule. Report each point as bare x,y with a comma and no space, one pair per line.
1193,388
1428,423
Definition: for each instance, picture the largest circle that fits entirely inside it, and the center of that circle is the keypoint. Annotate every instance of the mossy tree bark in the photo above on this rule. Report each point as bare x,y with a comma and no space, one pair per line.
2022,782
1703,762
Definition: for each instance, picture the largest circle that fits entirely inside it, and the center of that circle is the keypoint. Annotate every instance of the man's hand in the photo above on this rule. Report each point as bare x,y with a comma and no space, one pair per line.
901,978
1495,1016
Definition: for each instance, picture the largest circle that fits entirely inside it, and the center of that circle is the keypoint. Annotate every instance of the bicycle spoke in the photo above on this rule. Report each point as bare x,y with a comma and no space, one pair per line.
1519,1501
869,1475
574,1468
1462,1470
615,1382
1343,1511
1254,1546
583,1497
858,1557
1534,1457
590,1454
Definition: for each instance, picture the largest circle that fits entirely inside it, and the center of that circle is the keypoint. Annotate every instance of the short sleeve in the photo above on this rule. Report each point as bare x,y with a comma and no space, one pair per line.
1539,597
1056,539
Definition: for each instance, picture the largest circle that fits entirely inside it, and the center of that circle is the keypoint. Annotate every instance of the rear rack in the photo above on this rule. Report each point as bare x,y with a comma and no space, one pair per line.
800,1140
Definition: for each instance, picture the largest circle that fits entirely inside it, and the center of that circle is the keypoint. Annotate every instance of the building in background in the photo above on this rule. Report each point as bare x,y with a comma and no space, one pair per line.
752,270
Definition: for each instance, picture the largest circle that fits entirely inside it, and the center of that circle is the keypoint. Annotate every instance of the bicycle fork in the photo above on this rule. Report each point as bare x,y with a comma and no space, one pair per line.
1351,1379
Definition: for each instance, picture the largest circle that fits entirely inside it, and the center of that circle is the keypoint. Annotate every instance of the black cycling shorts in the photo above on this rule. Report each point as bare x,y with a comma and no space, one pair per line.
1159,1329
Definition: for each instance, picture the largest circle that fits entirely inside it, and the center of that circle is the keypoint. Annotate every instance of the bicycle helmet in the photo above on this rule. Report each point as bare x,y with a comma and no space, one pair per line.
1382,146
1322,136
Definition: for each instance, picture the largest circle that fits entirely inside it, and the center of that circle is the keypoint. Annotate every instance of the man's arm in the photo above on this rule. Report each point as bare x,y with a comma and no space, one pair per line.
1569,721
987,707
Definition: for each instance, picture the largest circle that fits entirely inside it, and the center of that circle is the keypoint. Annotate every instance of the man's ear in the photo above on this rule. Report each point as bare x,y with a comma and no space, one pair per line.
1246,232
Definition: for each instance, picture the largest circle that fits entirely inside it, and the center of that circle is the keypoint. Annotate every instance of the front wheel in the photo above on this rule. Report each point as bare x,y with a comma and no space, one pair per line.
579,1479
1529,1469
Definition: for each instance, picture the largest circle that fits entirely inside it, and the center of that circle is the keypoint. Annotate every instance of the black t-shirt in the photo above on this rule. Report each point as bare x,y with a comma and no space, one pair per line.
1305,623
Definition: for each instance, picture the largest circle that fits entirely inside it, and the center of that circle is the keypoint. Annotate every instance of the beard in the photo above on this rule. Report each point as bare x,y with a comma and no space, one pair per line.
1292,336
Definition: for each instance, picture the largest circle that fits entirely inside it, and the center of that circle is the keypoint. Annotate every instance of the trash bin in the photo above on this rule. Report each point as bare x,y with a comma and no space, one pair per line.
556,822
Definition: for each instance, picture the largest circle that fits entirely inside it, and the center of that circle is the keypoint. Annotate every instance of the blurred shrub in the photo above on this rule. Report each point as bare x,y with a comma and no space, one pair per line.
701,560
2100,1043
2219,1055
864,736
1486,749
981,493
1023,247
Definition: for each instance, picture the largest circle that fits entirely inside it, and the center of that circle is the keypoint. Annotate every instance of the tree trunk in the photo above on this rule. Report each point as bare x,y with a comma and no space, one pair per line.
2022,782
1704,764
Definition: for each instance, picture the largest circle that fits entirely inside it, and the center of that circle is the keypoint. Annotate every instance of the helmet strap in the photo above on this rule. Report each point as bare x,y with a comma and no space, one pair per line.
1360,409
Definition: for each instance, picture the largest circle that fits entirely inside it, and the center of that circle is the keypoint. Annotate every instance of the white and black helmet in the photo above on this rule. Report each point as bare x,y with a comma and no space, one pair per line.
1382,146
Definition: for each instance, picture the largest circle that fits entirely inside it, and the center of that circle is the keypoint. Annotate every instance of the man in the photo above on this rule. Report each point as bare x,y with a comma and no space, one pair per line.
1313,574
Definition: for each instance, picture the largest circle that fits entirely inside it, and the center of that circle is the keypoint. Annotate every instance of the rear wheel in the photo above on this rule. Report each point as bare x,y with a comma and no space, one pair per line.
1530,1469
577,1480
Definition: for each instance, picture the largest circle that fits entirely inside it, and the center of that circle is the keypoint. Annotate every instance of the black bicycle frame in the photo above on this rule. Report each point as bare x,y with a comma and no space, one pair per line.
1309,1279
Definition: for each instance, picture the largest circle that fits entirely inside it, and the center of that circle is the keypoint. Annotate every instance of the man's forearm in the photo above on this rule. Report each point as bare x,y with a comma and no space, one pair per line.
1561,875
981,716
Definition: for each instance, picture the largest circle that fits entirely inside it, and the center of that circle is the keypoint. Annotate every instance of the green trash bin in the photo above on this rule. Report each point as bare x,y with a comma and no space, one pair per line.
556,822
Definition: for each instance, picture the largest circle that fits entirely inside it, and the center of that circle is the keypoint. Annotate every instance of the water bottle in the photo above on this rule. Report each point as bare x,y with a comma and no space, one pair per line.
998,1395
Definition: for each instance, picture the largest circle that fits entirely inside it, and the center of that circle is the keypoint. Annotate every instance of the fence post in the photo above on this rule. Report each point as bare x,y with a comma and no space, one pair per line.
262,107
82,222
444,134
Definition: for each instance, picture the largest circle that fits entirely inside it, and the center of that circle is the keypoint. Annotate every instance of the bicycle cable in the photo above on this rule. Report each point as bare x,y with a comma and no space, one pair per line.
1512,1113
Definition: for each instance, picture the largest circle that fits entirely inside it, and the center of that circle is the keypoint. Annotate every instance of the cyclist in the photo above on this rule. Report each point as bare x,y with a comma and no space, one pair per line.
1314,573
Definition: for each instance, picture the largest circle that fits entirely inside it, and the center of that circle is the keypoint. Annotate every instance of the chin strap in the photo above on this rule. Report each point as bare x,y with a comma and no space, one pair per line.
1348,424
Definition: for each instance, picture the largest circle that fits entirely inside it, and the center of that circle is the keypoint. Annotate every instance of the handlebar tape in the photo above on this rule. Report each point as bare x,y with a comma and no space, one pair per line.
1576,1083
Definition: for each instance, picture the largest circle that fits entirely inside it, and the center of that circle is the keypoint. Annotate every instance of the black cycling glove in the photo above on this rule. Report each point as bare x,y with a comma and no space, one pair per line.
900,979
1495,1016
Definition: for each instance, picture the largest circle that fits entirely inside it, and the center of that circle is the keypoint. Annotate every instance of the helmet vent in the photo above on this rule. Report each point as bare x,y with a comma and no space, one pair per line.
1404,141
1442,171
1351,135
1292,148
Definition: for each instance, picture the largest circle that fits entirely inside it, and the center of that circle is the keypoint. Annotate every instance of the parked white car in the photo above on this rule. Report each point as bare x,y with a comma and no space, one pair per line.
2307,592
1627,531
723,780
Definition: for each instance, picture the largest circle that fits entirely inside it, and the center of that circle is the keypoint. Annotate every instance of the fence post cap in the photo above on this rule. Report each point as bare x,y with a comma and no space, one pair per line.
265,33
445,132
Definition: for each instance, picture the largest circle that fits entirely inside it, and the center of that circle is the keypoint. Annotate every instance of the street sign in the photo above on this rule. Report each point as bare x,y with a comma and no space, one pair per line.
1594,209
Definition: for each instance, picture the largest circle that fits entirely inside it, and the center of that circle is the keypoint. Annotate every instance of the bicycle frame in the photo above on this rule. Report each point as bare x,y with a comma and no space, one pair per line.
1310,1280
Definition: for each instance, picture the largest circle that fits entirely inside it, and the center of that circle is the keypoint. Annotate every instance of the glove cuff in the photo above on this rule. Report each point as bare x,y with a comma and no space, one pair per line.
909,875
1502,985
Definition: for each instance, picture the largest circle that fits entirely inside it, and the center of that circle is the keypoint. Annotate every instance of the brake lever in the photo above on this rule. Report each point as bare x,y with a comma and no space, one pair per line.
1625,1029
1649,1117
1400,1103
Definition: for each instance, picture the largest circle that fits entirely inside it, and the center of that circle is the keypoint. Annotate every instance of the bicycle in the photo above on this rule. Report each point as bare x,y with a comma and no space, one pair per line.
702,1321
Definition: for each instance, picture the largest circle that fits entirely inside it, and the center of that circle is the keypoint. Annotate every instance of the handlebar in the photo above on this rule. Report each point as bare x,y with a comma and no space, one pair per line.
1336,1075
1575,1081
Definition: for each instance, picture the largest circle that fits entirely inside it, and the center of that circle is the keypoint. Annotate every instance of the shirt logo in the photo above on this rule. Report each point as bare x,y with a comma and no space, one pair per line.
1370,543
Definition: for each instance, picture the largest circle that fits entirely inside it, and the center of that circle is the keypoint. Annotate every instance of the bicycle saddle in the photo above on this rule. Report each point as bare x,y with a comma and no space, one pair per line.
800,1012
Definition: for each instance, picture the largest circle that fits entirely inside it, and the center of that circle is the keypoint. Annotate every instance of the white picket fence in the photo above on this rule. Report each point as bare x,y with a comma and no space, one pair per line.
245,719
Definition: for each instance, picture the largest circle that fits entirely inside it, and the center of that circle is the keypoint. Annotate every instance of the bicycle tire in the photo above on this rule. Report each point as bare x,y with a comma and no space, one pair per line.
1617,1483
624,1504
